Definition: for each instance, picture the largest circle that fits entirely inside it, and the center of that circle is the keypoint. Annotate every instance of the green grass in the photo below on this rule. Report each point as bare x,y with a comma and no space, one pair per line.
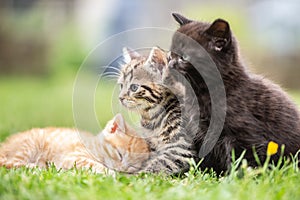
40,102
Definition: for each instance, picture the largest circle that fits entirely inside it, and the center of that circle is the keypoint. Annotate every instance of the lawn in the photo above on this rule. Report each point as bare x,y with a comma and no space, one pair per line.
39,102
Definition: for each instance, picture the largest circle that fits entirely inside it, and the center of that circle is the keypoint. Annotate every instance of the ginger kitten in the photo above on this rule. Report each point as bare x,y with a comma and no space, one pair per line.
116,147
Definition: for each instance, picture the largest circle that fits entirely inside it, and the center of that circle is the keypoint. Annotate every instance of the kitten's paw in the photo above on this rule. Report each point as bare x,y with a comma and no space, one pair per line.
31,165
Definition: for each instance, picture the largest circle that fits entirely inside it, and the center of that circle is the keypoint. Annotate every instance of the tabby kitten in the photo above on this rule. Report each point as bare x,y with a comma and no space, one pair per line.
143,89
115,147
258,111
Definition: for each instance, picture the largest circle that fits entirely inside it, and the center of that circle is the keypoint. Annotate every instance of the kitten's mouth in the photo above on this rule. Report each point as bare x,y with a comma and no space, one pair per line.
129,104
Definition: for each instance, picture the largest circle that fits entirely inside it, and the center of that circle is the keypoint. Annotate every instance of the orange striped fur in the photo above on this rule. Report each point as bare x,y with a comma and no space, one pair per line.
116,147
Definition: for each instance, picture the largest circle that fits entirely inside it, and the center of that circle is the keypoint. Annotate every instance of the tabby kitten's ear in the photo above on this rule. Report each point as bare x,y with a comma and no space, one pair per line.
157,59
129,54
181,19
118,123
220,33
157,55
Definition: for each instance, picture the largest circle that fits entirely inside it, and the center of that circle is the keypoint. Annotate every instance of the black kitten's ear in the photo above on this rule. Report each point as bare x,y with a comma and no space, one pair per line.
129,54
181,19
220,31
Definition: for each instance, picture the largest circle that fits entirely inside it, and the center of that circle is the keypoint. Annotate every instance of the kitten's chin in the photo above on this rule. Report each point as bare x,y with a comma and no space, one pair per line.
131,105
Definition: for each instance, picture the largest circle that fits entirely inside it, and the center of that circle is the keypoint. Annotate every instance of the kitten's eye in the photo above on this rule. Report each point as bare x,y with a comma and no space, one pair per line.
185,57
134,87
121,86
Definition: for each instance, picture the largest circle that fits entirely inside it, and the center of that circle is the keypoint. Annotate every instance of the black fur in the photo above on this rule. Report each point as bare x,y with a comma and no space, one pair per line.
258,111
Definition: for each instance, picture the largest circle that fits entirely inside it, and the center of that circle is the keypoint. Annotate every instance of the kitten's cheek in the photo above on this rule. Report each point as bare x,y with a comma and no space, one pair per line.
173,64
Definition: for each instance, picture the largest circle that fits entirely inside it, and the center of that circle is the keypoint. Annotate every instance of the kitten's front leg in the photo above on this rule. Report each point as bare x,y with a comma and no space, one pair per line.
85,163
172,159
100,169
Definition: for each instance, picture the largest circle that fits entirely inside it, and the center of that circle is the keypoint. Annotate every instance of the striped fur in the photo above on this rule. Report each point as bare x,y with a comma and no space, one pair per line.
160,110
115,147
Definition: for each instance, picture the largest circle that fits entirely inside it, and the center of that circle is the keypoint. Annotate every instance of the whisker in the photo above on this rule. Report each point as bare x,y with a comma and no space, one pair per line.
114,68
111,73
121,62
108,68
110,77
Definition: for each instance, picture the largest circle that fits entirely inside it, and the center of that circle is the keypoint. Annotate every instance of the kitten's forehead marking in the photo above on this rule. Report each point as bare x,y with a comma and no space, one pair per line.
128,75
129,69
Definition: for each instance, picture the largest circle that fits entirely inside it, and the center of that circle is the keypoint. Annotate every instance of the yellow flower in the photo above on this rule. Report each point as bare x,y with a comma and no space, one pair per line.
272,148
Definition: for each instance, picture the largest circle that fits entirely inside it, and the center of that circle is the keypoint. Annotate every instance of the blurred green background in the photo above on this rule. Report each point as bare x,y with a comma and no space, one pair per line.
43,44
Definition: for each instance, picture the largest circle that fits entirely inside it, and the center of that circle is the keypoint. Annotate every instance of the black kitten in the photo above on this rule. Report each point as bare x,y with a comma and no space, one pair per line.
257,112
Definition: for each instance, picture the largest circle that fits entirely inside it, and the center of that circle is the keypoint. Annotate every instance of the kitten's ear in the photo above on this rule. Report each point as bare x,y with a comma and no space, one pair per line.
130,54
157,55
181,19
220,31
118,123
157,59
